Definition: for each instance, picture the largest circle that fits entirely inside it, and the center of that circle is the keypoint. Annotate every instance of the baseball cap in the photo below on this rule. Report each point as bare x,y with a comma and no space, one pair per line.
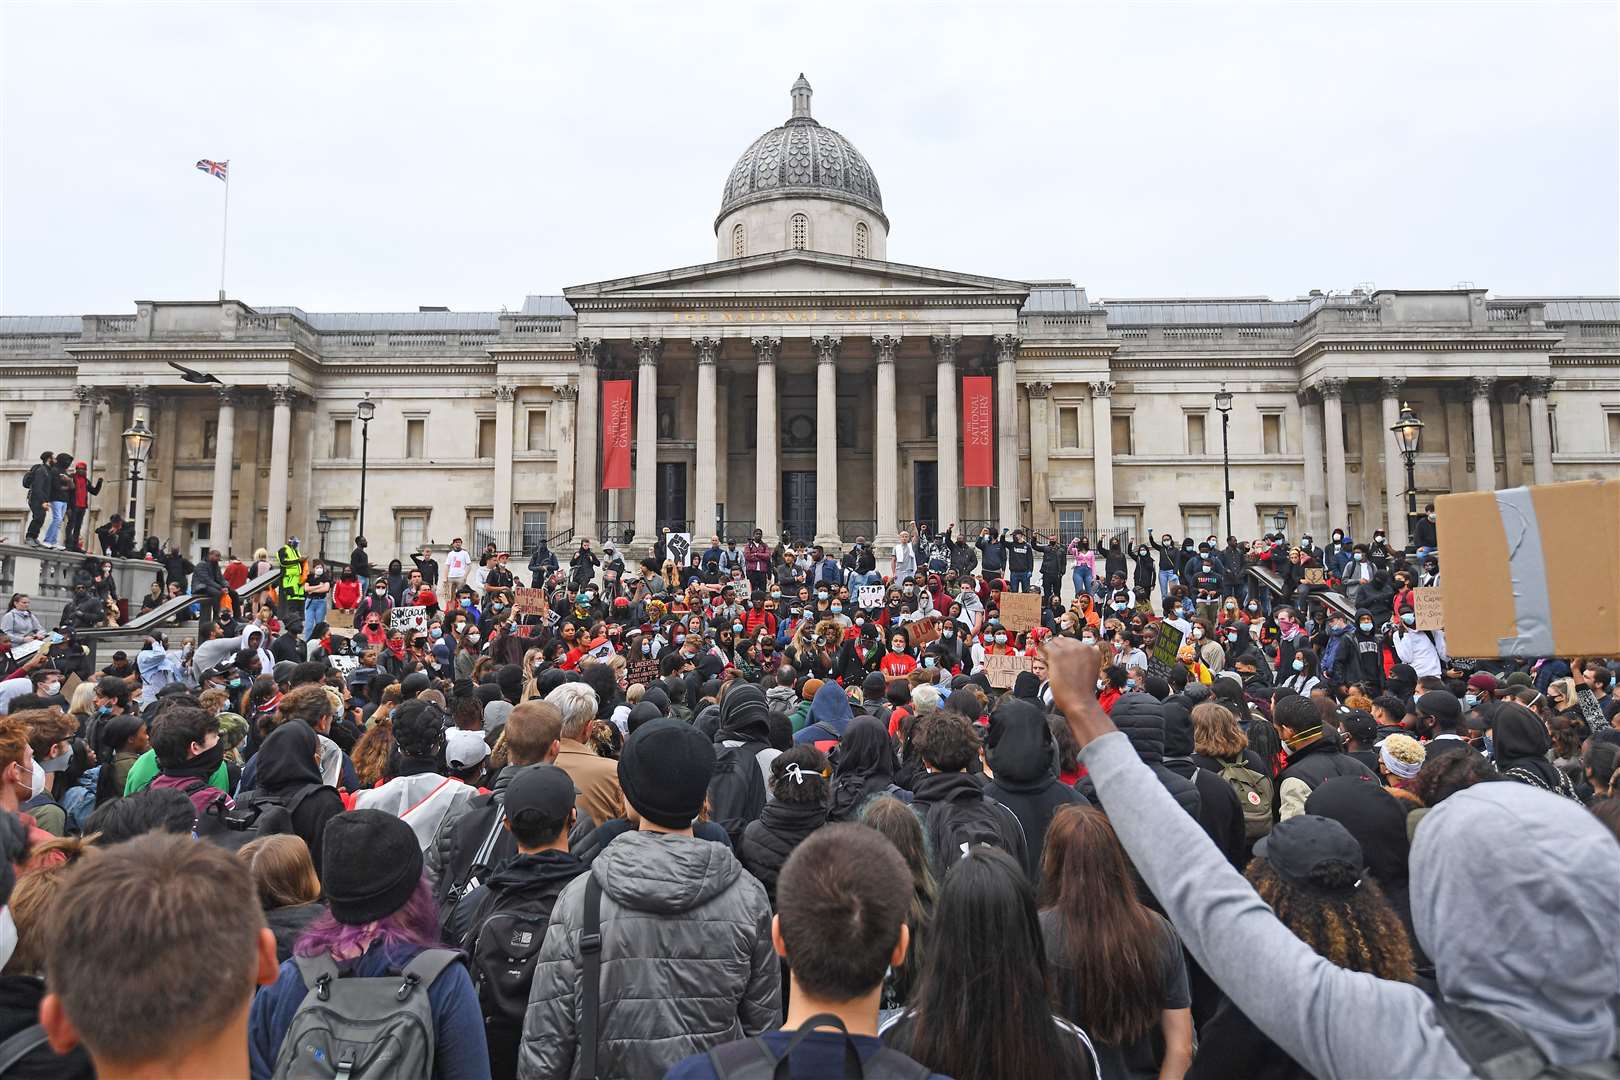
1307,848
1359,725
1440,704
540,793
464,749
1483,681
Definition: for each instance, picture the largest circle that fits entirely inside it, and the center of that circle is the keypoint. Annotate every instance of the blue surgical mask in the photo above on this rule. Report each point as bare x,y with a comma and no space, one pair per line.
1470,700
1130,684
1299,665
435,633
736,628
837,609
1001,639
929,661
1409,618
1366,627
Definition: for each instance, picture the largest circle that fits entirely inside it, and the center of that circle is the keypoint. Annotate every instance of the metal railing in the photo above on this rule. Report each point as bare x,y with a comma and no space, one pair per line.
174,611
849,529
739,530
619,531
1318,594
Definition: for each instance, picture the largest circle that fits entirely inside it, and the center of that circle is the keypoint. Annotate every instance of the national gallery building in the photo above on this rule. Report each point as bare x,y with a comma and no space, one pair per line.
805,381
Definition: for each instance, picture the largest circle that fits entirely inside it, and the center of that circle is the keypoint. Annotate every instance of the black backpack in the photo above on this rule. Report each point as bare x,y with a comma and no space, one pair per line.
753,1059
954,827
259,814
737,789
503,946
1496,1050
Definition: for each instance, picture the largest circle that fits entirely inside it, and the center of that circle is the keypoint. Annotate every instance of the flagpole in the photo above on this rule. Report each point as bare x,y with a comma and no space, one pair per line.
224,230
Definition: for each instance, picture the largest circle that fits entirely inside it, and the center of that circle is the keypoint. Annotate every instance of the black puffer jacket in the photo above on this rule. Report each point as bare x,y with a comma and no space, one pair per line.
767,842
1141,718
1023,758
1219,811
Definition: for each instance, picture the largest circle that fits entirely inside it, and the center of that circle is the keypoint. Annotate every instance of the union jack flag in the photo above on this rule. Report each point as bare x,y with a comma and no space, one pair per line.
220,169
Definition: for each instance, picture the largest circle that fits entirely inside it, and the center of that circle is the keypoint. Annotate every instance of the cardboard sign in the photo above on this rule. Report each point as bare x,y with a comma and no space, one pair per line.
408,619
1020,611
1165,648
599,649
1430,609
642,670
1315,575
921,632
70,684
529,601
340,620
869,597
344,665
742,590
1003,670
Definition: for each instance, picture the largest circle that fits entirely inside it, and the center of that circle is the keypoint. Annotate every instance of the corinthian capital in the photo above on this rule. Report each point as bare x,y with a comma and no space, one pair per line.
505,393
648,350
1102,389
1540,386
1007,348
885,347
1330,387
827,348
1481,386
766,349
588,351
944,347
707,349
1392,385
1037,389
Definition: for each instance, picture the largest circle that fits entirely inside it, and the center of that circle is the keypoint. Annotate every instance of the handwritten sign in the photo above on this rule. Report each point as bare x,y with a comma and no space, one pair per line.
1315,575
1003,670
1165,648
344,665
869,596
741,589
1430,614
408,619
643,670
1021,611
529,601
921,632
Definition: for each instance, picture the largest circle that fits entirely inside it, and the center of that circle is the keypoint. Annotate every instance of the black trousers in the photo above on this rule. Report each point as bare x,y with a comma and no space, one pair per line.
75,524
36,519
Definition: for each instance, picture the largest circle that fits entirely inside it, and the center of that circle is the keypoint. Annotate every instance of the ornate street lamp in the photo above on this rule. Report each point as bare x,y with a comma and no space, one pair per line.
1408,434
1279,522
1223,405
323,525
137,445
364,412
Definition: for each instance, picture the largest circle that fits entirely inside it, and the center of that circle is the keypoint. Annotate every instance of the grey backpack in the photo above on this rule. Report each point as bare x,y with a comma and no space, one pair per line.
354,1028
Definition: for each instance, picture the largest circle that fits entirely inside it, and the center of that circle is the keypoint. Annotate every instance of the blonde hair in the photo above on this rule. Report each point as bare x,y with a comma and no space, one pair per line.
1216,732
282,870
38,894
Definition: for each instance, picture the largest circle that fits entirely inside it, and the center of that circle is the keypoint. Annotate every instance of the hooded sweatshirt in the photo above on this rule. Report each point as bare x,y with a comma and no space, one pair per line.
1505,856
829,718
1024,760
286,767
421,800
744,719
1219,811
1141,718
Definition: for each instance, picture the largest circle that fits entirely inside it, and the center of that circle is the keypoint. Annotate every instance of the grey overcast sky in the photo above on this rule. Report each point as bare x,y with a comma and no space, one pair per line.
385,156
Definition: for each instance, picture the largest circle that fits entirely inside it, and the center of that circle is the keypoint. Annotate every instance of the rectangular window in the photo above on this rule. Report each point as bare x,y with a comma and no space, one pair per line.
343,438
1199,522
1195,434
12,527
1614,431
415,438
1552,426
1122,434
1271,433
483,532
539,436
1071,523
17,440
1127,525
1267,522
1069,427
486,437
930,416
210,444
340,537
410,532
536,527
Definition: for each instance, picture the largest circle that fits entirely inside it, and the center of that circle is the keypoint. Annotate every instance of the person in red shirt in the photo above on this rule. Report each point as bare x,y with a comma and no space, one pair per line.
346,592
235,573
899,662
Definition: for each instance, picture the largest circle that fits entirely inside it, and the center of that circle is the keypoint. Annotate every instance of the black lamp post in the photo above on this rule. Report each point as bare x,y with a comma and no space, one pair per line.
323,525
364,412
1223,405
137,445
1408,434
1279,521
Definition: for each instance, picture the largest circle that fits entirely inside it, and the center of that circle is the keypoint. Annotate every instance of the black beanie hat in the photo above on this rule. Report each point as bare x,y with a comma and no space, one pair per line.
665,770
372,863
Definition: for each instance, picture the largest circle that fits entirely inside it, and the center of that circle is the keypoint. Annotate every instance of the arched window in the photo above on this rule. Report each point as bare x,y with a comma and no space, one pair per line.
739,241
860,240
799,232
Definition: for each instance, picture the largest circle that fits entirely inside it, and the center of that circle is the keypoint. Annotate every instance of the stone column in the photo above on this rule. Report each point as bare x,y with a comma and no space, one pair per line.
587,442
1338,507
767,474
280,465
948,471
648,350
1040,492
1541,448
1484,449
1311,427
826,349
886,444
1102,456
141,400
219,514
708,450
1007,430
563,512
1394,465
84,429
501,499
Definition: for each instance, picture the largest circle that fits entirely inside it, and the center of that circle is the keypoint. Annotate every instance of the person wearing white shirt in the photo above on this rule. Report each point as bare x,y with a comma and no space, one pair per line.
474,579
1417,648
905,559
456,562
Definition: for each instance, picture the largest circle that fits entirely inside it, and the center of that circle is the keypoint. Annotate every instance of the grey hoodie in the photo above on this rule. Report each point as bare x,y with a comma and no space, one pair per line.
687,962
1499,876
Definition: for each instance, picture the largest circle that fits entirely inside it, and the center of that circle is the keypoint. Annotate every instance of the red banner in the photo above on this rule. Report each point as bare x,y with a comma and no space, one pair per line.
978,432
617,418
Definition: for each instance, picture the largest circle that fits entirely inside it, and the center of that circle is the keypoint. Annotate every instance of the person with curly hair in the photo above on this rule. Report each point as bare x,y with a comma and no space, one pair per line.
375,747
1310,871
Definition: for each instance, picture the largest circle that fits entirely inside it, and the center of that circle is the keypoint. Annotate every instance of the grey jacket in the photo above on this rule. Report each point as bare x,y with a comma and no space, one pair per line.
687,961
1500,876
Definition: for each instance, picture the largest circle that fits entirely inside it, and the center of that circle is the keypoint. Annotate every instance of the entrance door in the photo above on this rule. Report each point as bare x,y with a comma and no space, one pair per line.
925,508
671,498
799,504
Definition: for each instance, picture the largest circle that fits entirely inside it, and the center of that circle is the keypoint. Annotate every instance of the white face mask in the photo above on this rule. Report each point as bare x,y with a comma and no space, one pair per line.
8,935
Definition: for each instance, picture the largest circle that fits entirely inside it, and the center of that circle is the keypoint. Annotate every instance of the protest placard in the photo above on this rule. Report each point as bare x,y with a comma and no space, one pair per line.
1020,611
408,619
1165,648
679,546
742,590
643,670
1314,575
922,631
869,596
1428,605
340,620
1003,670
344,665
528,601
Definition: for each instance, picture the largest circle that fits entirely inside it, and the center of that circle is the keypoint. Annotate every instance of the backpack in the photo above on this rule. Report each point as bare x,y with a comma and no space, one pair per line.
1254,792
737,789
753,1059
953,827
1496,1050
503,948
260,814
362,1028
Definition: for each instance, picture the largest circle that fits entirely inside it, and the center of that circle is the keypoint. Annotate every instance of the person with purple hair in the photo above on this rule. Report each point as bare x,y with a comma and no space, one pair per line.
380,916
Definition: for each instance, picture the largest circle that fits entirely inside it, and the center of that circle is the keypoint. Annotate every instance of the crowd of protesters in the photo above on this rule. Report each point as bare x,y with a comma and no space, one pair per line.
1182,813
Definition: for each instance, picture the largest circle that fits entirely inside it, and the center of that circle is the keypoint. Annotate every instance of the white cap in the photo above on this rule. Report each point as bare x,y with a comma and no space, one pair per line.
464,749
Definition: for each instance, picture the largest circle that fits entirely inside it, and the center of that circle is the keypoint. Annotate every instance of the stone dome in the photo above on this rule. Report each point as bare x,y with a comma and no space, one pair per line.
801,159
